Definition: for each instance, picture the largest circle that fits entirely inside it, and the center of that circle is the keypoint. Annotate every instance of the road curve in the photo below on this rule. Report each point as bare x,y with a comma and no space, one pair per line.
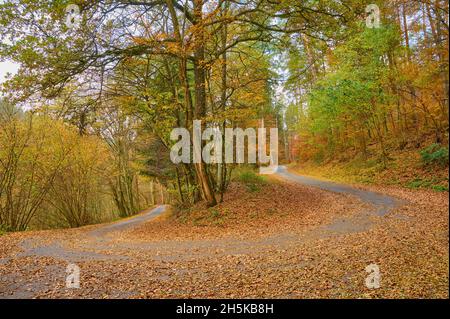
100,245
130,222
382,204
55,249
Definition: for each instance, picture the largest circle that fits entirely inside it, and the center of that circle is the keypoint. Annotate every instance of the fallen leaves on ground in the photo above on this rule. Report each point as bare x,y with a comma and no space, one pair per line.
268,243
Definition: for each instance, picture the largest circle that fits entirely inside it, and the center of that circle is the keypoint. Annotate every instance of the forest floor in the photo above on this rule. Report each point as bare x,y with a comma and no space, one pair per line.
285,237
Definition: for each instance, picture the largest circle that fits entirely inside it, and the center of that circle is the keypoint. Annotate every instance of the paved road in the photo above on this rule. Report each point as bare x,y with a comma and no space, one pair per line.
129,222
98,244
380,205
383,204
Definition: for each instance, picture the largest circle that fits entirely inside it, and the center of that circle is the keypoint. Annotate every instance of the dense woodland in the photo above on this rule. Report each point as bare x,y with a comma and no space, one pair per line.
386,87
85,123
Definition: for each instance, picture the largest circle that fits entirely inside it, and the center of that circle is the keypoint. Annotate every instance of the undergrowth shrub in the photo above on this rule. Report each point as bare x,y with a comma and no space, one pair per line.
250,179
434,154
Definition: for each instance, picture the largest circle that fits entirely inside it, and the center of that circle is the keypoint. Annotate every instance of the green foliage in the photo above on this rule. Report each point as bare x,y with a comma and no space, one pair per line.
319,156
351,91
3,230
251,180
215,217
427,183
440,188
347,106
434,154
419,183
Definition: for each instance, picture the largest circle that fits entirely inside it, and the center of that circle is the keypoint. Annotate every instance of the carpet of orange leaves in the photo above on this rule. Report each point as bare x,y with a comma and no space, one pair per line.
267,243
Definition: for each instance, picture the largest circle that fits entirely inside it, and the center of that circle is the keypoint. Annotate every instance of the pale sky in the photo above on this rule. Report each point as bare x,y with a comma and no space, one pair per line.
7,67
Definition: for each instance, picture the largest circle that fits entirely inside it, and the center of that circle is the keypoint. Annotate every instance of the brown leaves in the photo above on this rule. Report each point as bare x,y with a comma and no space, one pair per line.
271,243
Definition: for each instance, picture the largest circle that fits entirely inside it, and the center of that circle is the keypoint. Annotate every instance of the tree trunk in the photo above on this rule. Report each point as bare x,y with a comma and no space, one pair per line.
200,97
